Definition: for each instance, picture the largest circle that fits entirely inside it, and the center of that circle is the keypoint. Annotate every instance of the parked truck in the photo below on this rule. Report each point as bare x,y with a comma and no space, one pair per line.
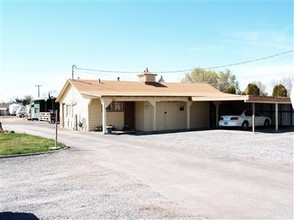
23,111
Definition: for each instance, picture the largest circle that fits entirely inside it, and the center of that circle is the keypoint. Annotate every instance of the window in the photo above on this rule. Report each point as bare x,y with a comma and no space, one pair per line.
248,113
67,110
182,108
118,106
258,114
115,107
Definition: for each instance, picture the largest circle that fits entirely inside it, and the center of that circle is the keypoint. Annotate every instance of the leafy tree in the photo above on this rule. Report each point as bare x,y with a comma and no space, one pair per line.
223,81
280,91
261,87
252,89
26,100
199,75
231,90
227,82
287,82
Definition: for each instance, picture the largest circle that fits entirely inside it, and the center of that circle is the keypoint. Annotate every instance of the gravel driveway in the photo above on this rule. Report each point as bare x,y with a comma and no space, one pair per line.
216,174
266,147
67,185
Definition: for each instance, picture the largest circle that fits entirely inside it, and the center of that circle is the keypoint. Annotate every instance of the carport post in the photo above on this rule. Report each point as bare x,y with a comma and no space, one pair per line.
153,103
277,116
253,117
217,104
104,103
188,114
103,116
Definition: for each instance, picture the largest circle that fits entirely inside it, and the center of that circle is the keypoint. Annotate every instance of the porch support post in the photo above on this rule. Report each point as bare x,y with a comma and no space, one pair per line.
153,103
104,102
217,104
189,103
253,117
277,116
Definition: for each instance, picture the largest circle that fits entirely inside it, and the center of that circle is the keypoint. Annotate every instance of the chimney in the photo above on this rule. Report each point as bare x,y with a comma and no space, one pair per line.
147,77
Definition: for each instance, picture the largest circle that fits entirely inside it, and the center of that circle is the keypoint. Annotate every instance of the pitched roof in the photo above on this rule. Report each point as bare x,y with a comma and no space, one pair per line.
5,105
196,91
127,88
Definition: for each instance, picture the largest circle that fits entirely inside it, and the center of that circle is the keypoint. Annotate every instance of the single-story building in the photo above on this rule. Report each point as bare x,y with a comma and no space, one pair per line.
4,109
40,109
146,105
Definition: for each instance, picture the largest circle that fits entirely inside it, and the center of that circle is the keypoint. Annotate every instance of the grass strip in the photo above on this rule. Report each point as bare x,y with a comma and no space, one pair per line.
15,143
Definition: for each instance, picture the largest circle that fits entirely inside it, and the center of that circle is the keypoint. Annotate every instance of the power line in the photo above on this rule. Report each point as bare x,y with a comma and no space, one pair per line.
268,74
105,71
232,64
189,70
251,61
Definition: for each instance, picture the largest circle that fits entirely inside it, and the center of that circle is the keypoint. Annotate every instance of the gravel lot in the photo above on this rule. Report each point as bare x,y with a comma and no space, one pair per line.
214,174
269,148
67,185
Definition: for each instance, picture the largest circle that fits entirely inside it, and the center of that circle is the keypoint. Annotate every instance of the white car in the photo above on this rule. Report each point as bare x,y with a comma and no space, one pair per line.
244,120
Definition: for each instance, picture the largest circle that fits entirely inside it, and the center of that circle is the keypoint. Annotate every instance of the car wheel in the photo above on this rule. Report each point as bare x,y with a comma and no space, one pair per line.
266,123
245,125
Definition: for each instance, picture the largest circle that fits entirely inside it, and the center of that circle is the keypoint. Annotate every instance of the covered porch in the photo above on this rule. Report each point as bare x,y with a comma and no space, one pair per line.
139,113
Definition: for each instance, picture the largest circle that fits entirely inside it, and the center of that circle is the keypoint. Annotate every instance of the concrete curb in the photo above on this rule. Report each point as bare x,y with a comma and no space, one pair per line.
35,154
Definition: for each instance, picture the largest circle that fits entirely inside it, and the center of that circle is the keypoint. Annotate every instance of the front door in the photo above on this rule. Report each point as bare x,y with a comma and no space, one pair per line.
129,114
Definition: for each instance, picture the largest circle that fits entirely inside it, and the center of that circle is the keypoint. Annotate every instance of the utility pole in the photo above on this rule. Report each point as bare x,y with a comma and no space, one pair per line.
72,71
38,90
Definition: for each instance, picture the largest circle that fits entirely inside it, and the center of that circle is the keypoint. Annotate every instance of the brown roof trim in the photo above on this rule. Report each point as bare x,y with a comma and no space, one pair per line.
267,99
147,74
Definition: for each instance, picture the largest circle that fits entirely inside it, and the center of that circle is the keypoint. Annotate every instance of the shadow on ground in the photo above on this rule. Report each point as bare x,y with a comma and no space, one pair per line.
17,216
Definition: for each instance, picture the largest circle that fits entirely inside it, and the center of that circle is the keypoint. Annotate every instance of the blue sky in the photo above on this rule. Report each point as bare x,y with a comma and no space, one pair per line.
41,41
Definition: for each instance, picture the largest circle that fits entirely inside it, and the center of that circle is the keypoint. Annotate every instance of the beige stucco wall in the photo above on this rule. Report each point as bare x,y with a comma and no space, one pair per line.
199,115
144,116
75,110
95,114
81,109
169,116
116,119
148,116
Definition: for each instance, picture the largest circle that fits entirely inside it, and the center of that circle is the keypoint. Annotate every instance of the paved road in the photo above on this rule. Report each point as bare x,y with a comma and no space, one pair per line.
202,186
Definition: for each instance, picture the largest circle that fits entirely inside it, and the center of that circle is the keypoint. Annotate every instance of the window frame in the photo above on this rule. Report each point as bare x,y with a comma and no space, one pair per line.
115,106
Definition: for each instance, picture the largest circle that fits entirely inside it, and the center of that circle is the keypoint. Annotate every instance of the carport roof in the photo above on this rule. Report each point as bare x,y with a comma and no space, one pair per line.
267,99
245,98
220,97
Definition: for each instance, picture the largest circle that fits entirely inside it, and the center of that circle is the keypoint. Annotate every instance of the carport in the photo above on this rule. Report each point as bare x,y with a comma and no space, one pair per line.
276,102
217,99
